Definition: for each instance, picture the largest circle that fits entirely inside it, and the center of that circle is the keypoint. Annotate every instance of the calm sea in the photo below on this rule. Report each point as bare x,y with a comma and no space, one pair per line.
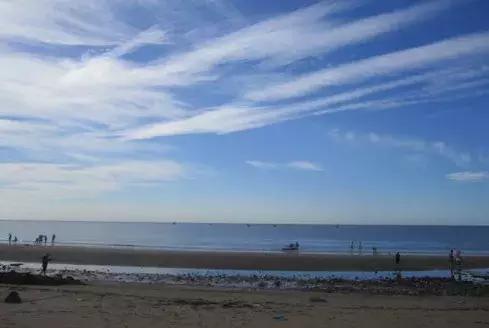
256,237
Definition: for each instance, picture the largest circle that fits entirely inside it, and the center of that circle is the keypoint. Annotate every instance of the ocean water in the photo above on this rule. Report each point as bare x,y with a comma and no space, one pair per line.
256,237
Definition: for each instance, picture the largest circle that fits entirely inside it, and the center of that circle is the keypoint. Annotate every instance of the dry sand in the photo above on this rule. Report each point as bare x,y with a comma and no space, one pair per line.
129,305
230,260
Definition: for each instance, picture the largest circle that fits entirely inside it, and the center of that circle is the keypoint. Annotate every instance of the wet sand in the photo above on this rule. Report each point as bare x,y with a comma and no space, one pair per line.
141,305
230,260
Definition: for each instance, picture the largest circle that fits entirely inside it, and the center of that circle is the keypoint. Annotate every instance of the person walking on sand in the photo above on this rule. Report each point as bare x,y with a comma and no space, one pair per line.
9,238
45,261
53,238
15,239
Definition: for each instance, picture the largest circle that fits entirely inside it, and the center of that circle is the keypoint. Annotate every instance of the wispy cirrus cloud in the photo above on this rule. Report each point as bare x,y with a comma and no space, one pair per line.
417,145
62,22
69,180
110,90
81,81
404,60
468,176
244,116
296,165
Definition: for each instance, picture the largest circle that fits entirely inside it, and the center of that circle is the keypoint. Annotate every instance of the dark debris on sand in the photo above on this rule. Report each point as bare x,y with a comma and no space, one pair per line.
18,278
13,298
405,286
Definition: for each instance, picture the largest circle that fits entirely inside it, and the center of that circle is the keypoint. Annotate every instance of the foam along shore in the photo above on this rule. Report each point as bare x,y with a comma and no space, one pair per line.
231,260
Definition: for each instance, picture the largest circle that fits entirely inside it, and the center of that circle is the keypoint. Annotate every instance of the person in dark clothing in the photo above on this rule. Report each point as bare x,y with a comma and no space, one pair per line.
451,261
45,260
53,238
9,238
398,258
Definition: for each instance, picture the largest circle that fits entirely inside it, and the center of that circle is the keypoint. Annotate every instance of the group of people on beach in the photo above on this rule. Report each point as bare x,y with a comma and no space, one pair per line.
40,239
12,239
455,262
44,239
359,246
354,244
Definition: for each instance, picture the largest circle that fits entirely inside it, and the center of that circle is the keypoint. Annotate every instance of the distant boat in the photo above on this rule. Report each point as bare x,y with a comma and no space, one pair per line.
291,247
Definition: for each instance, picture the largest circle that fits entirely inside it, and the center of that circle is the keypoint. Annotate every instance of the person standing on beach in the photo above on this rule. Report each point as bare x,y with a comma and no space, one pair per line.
458,263
9,238
451,262
398,258
52,239
45,261
15,239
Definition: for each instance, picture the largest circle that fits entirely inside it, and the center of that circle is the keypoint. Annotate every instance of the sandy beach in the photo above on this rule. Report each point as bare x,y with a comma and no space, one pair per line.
230,260
108,299
141,305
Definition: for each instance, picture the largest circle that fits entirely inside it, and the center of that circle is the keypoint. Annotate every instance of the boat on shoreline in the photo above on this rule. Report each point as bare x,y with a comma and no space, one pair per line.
291,247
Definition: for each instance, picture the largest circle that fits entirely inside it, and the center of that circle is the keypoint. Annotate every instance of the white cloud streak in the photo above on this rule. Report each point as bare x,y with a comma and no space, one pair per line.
411,144
305,165
396,62
295,165
240,117
88,22
468,176
151,36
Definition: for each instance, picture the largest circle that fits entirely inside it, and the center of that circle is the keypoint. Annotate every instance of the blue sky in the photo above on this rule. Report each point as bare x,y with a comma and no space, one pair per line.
245,111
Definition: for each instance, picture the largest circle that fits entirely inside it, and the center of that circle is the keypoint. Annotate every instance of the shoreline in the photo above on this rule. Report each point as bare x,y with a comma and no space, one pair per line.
230,260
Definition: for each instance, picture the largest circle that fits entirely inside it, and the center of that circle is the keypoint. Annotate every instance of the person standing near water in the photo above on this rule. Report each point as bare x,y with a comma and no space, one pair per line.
45,261
53,239
398,258
451,262
9,238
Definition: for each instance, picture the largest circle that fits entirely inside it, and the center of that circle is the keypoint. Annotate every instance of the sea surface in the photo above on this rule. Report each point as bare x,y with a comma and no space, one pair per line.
256,237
